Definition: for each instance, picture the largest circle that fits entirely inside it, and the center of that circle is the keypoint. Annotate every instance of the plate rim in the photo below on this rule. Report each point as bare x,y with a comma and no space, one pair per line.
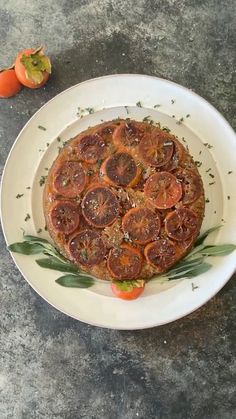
219,115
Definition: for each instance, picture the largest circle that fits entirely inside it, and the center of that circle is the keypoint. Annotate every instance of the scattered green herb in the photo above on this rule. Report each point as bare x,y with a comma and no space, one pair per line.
208,170
139,104
146,118
208,145
127,110
42,128
229,172
58,139
179,122
27,217
157,106
47,144
28,187
188,115
39,231
172,101
228,197
207,200
211,175
200,152
194,287
90,110
211,183
42,180
19,195
198,163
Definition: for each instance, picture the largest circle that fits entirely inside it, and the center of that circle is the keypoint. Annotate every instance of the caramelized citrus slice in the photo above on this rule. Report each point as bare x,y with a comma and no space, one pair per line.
176,158
128,134
70,179
161,254
191,185
156,148
100,206
125,262
120,170
91,148
106,132
64,217
87,248
141,224
163,189
181,224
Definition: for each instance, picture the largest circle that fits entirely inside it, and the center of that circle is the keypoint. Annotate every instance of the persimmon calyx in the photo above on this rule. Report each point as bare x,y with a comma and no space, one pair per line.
35,65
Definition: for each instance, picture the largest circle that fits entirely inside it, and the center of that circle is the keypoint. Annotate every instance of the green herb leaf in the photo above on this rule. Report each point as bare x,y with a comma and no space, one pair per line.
191,272
26,248
57,265
201,238
218,250
75,281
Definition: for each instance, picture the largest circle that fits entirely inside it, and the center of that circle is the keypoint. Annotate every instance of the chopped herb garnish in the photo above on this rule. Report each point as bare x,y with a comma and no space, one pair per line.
211,175
146,118
173,116
45,168
188,115
19,195
183,140
139,104
157,106
166,129
198,163
42,128
127,110
200,152
89,110
215,212
27,217
211,183
172,101
208,170
229,172
180,121
58,139
42,180
208,145
28,187
64,143
48,144
45,228
207,200
228,197
194,287
39,231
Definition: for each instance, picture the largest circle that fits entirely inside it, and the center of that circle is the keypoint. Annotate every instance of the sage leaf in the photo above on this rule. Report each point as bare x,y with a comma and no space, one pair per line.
182,265
75,281
30,238
191,272
204,267
218,250
26,248
55,264
204,235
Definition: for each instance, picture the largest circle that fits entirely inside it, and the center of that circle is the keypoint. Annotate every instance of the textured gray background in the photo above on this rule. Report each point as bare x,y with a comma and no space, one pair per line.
50,365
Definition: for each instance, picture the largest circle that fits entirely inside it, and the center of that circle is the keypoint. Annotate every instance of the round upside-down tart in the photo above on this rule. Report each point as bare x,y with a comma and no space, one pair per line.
124,200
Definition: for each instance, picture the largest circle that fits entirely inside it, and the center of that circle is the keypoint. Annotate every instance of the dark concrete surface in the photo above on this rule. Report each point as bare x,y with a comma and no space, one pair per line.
50,365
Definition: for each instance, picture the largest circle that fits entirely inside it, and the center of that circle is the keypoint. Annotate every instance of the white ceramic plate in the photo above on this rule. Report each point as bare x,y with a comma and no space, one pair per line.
35,149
